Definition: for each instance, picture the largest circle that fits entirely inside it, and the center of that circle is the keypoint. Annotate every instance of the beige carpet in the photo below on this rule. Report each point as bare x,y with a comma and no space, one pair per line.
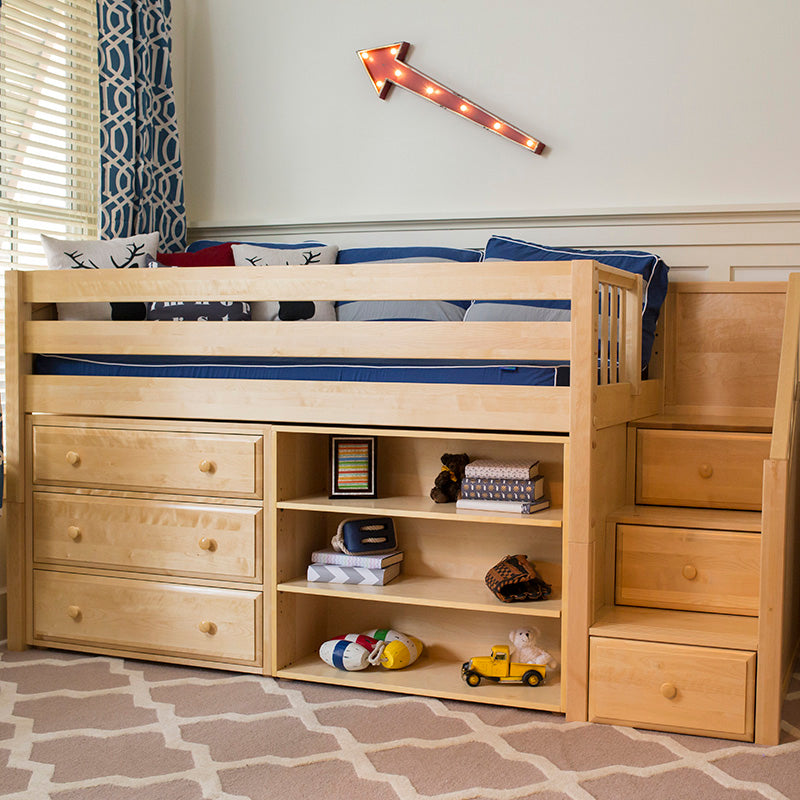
75,727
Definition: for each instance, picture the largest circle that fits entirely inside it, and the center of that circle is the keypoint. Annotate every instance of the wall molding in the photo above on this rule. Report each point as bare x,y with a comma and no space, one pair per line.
710,243
716,216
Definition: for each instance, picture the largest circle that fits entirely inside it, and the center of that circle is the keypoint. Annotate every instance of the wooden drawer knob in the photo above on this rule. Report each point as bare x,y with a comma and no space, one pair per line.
705,470
74,533
207,544
206,466
206,626
73,458
669,690
689,572
74,612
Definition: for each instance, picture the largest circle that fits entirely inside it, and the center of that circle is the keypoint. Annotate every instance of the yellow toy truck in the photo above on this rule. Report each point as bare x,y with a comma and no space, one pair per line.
499,667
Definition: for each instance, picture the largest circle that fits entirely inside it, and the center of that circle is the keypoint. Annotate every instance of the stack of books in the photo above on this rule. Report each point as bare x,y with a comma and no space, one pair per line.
331,566
514,486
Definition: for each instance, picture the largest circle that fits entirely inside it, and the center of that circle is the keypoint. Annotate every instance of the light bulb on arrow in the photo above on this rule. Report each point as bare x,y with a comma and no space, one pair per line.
385,67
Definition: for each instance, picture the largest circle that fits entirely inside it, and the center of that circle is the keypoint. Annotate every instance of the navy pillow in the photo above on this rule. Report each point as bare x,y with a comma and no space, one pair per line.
653,270
426,310
195,310
200,310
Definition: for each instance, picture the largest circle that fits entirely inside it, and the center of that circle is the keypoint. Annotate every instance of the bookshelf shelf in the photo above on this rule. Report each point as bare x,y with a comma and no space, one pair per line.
424,591
423,508
440,595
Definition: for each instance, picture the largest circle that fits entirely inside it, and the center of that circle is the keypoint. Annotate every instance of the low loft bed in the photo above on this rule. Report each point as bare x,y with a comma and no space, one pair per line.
172,517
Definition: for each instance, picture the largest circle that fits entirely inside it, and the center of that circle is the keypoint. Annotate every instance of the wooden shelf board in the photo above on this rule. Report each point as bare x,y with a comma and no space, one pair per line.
431,678
757,421
422,508
439,592
427,433
677,627
678,517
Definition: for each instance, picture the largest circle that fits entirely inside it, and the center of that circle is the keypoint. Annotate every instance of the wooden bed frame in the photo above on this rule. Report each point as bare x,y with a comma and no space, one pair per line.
173,518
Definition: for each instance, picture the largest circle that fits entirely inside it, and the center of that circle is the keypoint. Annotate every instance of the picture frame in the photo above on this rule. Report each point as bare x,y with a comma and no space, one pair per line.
353,466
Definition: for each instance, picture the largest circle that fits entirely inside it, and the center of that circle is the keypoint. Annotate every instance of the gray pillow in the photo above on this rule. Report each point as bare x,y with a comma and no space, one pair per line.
275,255
127,253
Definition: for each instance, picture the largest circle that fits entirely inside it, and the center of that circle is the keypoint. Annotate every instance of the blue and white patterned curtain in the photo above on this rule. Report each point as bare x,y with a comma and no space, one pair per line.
141,177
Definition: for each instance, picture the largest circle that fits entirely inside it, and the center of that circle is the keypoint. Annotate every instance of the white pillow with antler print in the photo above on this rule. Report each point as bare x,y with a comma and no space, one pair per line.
127,253
276,255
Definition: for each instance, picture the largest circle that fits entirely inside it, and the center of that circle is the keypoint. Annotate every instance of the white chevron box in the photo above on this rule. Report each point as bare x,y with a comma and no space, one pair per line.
331,573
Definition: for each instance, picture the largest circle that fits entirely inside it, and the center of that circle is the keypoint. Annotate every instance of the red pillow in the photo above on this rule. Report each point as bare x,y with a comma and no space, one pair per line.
218,255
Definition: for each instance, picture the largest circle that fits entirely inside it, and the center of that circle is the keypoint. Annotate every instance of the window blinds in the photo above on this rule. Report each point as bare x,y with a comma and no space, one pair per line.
49,127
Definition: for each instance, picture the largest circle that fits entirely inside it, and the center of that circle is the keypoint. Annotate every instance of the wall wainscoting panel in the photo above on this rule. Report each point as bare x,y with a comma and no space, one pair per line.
709,244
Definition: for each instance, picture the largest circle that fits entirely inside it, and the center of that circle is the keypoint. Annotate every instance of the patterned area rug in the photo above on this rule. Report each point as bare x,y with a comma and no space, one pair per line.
77,727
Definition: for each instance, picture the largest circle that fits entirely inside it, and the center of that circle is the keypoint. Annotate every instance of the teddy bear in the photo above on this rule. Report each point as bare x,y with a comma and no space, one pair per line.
526,651
447,484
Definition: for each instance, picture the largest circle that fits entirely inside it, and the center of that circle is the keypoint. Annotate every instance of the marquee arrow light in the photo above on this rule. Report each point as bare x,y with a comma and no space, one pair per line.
385,67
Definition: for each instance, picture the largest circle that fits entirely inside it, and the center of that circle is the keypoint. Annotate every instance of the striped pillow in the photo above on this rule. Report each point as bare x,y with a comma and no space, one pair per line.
425,310
650,266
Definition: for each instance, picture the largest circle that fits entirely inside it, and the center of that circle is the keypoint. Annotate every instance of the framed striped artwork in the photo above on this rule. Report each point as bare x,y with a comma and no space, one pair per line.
353,466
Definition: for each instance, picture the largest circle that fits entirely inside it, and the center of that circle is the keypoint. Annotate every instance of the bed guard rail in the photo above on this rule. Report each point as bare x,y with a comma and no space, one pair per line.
605,326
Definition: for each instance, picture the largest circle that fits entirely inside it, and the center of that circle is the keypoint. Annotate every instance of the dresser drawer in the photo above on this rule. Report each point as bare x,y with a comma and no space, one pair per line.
227,465
685,689
147,616
690,569
700,468
213,541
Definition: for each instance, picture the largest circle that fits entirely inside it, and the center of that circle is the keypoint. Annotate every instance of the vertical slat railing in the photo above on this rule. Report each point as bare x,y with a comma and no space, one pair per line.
619,328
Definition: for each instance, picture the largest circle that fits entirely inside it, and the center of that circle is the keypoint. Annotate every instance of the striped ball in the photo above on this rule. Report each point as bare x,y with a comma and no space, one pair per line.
344,654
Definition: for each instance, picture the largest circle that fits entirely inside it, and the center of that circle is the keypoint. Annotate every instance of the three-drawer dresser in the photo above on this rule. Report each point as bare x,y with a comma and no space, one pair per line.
148,539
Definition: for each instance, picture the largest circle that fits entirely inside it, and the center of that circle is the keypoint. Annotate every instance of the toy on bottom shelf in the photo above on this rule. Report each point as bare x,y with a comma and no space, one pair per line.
382,646
350,653
526,650
499,667
400,650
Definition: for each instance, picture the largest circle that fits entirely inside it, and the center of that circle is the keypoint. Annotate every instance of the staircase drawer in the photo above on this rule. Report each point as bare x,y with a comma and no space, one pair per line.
710,469
211,464
688,569
680,688
143,616
213,541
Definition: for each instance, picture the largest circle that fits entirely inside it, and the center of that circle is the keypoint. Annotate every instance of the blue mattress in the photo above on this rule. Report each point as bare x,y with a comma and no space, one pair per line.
381,371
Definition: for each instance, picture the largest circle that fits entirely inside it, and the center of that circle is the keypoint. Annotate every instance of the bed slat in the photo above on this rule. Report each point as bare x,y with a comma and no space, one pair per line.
517,408
546,280
410,340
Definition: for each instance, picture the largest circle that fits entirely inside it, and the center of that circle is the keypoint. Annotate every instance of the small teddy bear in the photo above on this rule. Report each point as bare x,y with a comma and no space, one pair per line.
447,484
526,651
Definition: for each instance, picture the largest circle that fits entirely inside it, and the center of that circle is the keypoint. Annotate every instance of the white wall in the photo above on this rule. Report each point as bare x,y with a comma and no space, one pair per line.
679,105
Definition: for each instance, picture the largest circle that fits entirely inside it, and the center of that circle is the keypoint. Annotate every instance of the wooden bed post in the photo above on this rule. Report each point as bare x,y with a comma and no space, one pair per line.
17,365
580,527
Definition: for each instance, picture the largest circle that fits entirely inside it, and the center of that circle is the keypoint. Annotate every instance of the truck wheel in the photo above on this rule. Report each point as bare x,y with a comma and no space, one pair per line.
472,678
532,678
